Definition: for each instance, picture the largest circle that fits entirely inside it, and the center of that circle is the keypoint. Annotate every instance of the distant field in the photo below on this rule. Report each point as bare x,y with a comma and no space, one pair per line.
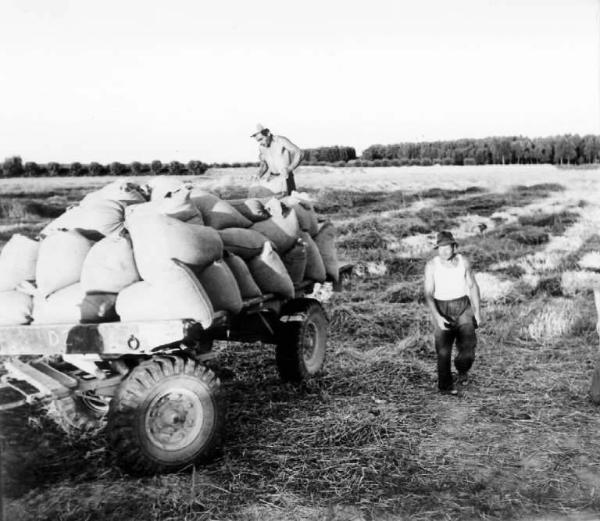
371,439
375,178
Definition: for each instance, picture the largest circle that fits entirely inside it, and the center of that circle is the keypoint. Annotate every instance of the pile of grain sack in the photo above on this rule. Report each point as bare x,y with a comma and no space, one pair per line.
162,251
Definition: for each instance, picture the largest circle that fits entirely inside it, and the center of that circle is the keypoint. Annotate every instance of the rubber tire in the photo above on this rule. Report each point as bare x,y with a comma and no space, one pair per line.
289,352
71,414
126,428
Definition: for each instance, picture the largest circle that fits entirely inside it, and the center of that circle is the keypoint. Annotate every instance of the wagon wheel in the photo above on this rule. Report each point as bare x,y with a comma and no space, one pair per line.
80,412
301,343
166,415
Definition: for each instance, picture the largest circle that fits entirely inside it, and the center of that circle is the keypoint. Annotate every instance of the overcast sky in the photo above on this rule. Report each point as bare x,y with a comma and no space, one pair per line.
114,80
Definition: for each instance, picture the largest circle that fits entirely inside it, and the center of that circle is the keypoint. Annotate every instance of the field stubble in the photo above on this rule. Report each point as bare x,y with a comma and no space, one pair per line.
371,438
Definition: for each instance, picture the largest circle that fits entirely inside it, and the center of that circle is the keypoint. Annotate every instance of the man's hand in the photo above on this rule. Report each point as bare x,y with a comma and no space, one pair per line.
442,323
478,318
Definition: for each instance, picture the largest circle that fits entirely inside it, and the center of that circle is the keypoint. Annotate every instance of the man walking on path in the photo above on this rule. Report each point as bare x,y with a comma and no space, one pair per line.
278,157
452,295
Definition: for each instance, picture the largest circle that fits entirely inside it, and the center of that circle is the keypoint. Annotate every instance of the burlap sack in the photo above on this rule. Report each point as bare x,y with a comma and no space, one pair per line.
69,220
103,216
15,308
325,241
97,219
157,239
217,213
270,274
252,209
162,186
315,268
221,287
60,260
109,266
307,217
72,305
282,228
295,261
122,191
179,295
243,242
18,260
177,205
248,287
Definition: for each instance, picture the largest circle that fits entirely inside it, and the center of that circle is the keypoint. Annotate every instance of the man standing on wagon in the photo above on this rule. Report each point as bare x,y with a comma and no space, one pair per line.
452,295
278,157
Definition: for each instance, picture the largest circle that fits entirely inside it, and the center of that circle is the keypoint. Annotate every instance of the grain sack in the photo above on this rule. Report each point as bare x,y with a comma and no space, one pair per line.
307,217
252,209
243,242
325,241
241,272
69,220
102,216
295,261
15,308
270,274
161,186
18,261
221,287
178,205
179,295
60,260
157,239
95,220
315,268
122,191
217,213
282,228
259,191
73,305
109,266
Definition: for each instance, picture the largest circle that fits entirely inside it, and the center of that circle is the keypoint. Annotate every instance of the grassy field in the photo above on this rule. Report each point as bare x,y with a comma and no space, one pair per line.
370,438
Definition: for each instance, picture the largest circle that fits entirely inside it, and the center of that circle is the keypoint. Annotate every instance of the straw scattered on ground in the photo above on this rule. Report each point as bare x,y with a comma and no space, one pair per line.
371,439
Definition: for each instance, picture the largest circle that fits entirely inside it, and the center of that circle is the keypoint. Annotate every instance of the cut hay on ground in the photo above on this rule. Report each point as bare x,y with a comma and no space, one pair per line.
590,260
370,438
574,282
493,288
557,319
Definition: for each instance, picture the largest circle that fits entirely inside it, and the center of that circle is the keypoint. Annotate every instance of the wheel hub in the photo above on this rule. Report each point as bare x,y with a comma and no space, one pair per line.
94,403
309,342
174,419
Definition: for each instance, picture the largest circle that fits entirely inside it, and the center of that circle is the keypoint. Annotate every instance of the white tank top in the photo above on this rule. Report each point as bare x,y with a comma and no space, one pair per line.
449,281
276,156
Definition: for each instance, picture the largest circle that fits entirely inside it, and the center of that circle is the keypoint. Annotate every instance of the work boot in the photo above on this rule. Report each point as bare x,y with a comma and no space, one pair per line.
451,391
462,379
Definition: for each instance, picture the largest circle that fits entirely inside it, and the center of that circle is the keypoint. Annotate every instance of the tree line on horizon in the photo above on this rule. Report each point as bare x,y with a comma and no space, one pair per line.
570,149
559,150
14,167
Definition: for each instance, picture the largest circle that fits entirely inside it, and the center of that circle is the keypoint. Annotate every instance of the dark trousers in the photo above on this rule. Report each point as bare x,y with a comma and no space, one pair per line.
459,315
290,183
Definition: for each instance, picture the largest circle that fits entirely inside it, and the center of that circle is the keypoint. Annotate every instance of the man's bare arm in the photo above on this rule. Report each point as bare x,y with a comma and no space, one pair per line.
295,152
263,168
473,288
429,289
